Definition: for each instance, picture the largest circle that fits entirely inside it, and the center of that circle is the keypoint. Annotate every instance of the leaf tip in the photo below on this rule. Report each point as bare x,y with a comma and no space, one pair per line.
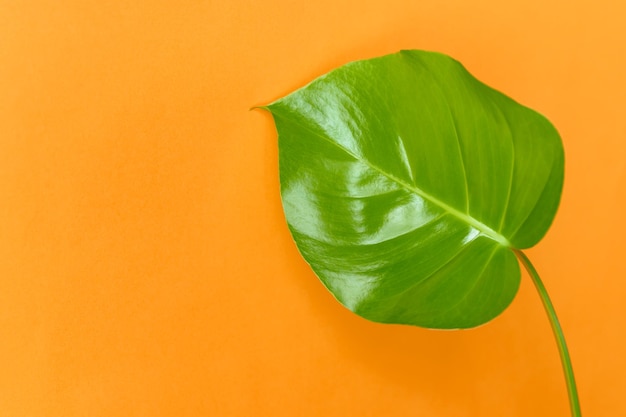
260,107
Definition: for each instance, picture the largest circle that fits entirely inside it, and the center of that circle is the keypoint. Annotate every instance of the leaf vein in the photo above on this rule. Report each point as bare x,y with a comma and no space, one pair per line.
481,227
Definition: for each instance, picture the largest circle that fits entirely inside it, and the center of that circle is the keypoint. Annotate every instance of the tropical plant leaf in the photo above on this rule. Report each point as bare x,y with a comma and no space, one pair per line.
407,183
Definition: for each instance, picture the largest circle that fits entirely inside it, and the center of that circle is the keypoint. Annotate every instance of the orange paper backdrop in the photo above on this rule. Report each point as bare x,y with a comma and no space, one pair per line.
145,265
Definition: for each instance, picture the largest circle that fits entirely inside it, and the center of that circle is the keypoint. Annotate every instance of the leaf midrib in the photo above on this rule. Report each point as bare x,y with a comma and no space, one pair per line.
464,217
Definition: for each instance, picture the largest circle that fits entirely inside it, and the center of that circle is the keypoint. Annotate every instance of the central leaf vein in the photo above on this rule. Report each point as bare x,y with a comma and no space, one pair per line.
464,217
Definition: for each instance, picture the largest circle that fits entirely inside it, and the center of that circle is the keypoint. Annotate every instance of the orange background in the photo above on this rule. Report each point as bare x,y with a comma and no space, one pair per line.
145,265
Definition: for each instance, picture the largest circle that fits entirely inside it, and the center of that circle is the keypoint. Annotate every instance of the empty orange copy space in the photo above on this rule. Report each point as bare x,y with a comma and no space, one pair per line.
146,268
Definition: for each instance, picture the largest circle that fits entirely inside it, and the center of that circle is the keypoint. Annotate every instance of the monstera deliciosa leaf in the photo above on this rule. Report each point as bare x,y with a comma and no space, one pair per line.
408,184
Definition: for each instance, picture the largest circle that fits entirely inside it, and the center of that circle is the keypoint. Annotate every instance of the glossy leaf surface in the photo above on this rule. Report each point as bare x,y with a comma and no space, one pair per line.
406,183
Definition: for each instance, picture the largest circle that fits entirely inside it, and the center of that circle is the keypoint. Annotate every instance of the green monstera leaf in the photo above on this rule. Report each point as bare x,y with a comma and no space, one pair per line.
408,186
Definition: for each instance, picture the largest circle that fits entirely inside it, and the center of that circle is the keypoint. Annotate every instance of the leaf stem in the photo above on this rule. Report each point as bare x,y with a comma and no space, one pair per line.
558,334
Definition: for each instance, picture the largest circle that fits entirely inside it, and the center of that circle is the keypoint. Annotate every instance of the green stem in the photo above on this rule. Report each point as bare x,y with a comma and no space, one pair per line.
558,334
